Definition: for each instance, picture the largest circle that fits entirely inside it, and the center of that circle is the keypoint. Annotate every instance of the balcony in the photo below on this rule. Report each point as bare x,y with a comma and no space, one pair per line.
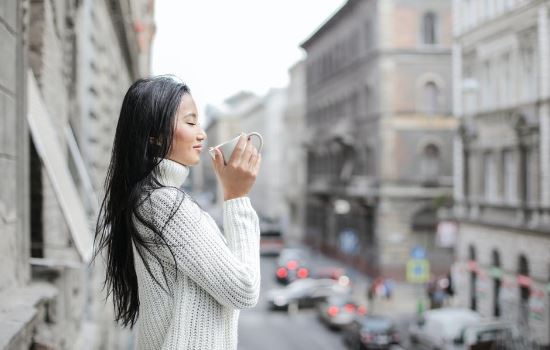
528,217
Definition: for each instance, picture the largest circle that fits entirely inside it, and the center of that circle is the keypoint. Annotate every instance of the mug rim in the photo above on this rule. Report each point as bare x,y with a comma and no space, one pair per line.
237,137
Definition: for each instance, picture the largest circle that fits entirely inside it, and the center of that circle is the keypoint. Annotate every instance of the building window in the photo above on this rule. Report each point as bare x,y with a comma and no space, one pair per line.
497,283
486,87
490,183
363,163
466,173
430,164
505,79
524,290
509,175
36,205
431,98
528,66
473,277
531,176
429,28
369,37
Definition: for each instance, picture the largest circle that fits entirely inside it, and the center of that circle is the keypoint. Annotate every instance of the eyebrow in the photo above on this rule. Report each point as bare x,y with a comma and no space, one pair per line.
191,114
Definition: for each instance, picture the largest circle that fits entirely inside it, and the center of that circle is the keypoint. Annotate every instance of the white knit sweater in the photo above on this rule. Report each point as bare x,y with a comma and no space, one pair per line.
217,276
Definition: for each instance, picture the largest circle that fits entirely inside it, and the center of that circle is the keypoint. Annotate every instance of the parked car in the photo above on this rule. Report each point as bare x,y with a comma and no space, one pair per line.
292,264
440,328
305,293
328,272
271,237
370,332
339,310
489,334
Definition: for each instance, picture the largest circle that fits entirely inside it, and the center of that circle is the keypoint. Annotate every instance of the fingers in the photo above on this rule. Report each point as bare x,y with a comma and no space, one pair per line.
256,166
238,151
218,160
248,154
253,156
244,156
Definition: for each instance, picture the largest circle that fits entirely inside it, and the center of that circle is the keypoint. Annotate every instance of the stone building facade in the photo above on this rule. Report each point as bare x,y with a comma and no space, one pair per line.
65,65
294,158
223,123
248,112
502,161
379,132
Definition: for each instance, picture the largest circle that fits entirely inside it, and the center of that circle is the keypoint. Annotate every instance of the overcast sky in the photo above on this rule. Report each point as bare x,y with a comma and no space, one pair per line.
221,47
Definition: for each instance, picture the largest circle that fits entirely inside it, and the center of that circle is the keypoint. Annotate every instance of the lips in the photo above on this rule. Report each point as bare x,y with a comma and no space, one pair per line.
198,147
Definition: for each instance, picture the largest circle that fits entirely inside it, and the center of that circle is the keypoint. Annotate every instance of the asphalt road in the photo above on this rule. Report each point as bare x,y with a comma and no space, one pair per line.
260,328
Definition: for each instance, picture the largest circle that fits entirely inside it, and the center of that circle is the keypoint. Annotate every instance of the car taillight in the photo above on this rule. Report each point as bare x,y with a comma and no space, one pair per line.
302,272
292,264
333,311
282,272
362,310
349,307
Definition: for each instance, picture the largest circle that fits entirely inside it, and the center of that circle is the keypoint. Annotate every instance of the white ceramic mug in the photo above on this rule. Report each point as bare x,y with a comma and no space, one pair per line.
227,147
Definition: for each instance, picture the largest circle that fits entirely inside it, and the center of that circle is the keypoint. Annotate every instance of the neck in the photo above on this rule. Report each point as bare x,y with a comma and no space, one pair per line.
172,173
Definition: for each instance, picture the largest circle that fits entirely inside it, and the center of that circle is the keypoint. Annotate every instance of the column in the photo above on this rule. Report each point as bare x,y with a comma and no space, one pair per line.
544,93
458,146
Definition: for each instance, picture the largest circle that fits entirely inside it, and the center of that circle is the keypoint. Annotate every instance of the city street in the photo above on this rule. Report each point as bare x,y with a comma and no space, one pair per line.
260,328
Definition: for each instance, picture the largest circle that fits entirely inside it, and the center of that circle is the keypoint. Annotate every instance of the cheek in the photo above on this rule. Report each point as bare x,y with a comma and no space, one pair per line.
181,135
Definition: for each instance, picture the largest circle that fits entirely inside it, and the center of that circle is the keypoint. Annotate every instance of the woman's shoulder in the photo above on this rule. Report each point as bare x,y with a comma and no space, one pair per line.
167,198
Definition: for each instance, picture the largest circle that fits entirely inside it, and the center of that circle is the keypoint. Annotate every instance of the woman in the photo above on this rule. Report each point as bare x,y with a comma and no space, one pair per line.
170,270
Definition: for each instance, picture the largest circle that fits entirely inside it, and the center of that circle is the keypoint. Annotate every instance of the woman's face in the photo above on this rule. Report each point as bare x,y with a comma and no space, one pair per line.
188,134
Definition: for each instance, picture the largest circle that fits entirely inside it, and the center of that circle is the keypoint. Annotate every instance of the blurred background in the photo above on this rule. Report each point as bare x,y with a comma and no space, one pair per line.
404,194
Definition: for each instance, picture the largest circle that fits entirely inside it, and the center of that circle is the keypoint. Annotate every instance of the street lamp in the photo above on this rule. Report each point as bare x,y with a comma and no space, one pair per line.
341,206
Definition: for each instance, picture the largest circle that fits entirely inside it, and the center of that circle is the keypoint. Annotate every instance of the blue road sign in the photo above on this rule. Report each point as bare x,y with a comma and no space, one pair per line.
418,252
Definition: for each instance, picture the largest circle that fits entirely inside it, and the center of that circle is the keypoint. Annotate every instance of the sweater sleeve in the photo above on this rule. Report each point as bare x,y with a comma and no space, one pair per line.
229,272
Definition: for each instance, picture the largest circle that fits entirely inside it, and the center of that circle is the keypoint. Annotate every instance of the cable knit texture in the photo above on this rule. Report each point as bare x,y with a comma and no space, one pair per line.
216,276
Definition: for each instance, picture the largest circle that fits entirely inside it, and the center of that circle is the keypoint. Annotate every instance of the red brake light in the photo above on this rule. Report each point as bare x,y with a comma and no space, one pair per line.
349,307
302,272
333,311
281,272
292,264
362,310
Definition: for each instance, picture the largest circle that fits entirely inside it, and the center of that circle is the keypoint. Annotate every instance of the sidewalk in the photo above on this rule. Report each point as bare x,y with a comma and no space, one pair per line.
405,300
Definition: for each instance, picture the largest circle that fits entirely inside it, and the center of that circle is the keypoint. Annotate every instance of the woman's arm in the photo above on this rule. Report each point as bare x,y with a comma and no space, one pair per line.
230,273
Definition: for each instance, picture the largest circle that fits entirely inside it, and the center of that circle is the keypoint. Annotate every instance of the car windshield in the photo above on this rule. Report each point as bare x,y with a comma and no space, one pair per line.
339,300
291,253
300,284
375,324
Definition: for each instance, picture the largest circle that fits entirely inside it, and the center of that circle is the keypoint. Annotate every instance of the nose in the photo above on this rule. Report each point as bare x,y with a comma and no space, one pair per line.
202,135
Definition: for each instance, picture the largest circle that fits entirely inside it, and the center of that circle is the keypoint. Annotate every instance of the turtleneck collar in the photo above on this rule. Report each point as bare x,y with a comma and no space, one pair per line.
172,173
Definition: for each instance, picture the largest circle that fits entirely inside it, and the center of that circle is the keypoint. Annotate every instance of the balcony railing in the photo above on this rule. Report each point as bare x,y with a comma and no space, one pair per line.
519,216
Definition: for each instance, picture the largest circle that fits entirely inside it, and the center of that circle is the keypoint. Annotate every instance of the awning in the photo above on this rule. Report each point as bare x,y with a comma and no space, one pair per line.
50,151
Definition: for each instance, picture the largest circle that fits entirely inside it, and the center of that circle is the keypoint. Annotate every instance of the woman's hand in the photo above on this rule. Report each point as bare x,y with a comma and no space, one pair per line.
239,175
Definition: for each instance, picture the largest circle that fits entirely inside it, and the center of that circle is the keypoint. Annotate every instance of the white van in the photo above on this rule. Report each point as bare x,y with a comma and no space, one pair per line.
460,329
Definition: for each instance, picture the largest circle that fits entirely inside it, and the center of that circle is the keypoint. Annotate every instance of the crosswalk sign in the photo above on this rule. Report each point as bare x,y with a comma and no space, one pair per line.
418,270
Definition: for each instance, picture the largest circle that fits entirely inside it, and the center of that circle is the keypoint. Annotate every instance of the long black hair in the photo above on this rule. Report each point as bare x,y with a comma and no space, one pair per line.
143,138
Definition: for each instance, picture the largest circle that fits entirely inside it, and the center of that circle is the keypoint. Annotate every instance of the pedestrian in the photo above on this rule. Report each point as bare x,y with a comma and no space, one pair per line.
389,284
171,272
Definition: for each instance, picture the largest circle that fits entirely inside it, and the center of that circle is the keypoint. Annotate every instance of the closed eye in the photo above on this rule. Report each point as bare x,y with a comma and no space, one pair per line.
191,124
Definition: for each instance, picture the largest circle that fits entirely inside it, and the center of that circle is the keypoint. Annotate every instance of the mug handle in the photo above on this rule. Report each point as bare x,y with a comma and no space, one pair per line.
259,138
